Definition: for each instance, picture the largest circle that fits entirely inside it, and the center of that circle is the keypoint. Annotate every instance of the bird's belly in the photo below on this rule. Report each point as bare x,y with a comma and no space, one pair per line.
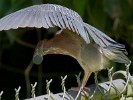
94,65
92,58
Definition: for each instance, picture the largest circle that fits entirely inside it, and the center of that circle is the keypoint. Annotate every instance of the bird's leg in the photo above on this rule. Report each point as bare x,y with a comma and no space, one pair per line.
87,74
82,88
84,81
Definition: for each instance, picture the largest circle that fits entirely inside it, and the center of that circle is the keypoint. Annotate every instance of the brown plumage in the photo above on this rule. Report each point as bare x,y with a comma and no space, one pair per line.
90,56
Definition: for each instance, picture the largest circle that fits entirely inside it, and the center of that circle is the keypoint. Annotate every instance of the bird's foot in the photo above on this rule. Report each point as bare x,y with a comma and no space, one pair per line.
83,91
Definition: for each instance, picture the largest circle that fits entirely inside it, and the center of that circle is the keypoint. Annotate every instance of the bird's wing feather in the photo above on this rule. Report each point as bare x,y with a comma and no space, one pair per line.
102,39
50,15
45,15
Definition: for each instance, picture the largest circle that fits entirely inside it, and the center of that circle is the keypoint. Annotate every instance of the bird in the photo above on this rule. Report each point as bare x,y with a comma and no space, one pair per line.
90,56
92,48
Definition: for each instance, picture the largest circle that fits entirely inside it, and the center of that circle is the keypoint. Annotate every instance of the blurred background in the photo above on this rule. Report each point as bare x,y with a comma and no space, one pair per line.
114,17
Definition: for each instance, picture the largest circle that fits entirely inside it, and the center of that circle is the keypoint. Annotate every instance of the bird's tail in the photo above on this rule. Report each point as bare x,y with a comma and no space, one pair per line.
115,54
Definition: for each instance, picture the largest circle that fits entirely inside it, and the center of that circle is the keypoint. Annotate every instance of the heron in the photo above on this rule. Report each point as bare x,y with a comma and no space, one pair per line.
92,48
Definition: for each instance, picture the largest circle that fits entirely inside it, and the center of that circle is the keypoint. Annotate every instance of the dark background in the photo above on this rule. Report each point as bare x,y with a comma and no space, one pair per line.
114,17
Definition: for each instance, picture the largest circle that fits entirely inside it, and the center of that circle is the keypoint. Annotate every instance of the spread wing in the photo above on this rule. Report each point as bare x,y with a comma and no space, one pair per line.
100,38
50,15
45,15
